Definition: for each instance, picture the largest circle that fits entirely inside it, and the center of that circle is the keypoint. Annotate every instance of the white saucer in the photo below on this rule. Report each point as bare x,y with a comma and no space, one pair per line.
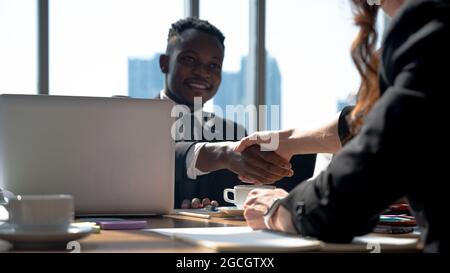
43,239
233,211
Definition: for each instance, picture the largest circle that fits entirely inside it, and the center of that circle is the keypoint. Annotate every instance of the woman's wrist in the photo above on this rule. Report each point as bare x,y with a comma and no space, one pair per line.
282,221
291,140
320,140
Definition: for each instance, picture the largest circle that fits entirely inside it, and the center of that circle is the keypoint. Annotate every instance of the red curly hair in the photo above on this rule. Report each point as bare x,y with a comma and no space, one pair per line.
366,59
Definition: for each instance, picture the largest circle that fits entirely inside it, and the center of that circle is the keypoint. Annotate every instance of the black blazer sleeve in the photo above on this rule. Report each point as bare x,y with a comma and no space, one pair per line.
343,128
393,155
182,182
181,150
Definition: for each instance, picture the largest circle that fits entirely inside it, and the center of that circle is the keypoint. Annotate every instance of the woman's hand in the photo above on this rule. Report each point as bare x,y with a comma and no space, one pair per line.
257,204
258,167
277,141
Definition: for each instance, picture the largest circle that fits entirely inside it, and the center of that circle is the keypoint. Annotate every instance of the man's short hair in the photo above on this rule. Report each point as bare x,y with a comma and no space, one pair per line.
194,23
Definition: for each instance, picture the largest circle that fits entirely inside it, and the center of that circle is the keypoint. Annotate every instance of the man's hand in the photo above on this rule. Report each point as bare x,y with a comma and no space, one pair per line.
252,165
258,167
256,205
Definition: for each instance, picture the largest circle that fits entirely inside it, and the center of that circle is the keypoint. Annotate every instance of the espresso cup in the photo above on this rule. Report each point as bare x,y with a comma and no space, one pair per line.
32,213
240,193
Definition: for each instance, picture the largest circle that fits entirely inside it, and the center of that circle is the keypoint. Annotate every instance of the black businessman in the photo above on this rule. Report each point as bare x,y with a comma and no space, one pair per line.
206,165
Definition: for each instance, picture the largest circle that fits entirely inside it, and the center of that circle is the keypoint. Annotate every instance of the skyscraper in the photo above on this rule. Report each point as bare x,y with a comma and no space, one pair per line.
233,89
273,92
145,80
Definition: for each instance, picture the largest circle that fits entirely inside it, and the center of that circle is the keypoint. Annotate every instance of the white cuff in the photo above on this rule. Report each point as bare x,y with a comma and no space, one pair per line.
191,161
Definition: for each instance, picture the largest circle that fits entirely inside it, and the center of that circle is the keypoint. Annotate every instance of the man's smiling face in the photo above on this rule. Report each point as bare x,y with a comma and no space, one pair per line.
193,66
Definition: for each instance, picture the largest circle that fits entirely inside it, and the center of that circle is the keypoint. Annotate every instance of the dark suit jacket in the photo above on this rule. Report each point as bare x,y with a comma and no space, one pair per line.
396,152
212,185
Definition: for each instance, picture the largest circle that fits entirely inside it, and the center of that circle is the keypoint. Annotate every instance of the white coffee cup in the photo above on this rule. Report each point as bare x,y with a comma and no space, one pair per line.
240,193
40,212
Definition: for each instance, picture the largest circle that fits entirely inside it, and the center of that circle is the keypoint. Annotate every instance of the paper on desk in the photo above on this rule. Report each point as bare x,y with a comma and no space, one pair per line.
244,239
3,214
241,239
200,213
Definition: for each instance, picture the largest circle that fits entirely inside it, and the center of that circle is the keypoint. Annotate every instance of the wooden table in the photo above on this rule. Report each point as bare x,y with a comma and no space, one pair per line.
144,241
139,241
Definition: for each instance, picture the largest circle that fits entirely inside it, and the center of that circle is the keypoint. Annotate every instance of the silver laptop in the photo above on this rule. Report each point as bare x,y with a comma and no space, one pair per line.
114,155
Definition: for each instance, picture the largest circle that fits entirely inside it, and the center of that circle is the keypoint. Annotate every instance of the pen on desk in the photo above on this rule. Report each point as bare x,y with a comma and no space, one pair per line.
193,214
395,218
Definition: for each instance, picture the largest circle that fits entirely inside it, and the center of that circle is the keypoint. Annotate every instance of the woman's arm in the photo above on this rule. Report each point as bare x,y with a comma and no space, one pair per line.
287,143
324,139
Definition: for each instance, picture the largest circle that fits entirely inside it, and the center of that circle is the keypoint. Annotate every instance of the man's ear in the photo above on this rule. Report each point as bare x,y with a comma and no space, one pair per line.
164,63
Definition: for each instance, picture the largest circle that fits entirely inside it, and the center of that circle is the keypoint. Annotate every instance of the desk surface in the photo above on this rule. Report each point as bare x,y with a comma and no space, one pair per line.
144,241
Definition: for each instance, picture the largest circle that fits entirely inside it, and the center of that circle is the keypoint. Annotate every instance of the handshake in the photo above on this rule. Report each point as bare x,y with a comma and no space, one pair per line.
256,159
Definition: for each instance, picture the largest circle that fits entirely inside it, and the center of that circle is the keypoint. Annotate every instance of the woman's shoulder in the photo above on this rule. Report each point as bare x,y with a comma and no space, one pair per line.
418,37
414,16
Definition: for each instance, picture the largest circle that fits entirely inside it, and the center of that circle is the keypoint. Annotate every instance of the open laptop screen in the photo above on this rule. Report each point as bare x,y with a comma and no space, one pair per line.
114,155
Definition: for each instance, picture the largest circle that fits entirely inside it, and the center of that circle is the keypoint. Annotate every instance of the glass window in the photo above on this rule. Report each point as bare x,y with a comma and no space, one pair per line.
232,18
18,46
309,41
109,47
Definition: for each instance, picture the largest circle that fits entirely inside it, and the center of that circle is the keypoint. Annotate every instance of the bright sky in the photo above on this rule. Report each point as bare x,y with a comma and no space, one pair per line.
91,40
311,41
18,46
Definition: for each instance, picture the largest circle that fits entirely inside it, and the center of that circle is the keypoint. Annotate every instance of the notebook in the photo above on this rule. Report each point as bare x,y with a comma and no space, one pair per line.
241,239
244,239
